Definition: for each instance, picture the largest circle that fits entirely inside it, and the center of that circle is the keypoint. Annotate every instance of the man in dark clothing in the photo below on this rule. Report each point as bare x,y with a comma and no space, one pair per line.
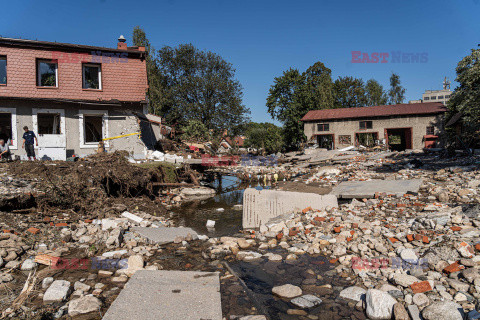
29,138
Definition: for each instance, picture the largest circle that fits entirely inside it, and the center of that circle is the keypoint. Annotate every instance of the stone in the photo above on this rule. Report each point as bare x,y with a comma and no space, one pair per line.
28,264
458,285
306,301
57,292
471,274
443,310
404,280
83,305
353,293
256,317
408,255
414,312
248,255
81,286
421,300
379,305
287,291
47,282
399,312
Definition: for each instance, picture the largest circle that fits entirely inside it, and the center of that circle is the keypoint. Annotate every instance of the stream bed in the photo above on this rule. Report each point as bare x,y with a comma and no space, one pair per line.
313,273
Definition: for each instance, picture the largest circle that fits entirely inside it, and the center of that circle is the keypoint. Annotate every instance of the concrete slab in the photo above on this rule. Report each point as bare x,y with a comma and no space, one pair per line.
259,206
164,235
173,295
367,189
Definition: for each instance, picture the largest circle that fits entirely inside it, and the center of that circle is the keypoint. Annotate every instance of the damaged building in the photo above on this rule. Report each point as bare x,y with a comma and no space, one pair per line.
397,127
72,96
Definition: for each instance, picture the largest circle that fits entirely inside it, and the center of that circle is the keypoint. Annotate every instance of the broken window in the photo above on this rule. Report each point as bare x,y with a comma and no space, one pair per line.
48,123
3,70
366,125
46,73
92,76
6,127
93,125
345,139
323,127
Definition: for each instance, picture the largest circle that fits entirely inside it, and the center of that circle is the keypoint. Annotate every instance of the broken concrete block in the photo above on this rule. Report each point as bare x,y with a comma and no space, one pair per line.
165,235
173,295
367,189
259,206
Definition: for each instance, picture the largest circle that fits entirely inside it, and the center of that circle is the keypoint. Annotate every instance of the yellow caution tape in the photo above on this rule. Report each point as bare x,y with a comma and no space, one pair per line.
122,136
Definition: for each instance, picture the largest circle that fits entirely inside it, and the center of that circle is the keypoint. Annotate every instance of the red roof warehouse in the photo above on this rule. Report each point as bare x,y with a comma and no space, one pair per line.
396,127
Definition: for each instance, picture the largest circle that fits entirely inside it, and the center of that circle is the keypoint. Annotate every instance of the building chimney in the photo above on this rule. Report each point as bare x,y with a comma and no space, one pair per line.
122,45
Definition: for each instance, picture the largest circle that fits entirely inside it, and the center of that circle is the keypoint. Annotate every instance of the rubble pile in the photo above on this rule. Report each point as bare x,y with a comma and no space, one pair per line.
406,255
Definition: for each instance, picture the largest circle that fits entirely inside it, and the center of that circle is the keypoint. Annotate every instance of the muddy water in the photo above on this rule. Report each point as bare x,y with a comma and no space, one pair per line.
314,274
195,213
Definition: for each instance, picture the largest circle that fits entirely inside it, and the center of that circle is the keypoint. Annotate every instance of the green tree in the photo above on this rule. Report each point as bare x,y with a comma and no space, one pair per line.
466,97
293,94
195,129
264,136
349,92
191,84
157,93
374,93
396,94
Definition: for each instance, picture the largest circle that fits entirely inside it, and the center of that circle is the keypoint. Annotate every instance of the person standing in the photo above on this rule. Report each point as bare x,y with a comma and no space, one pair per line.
29,138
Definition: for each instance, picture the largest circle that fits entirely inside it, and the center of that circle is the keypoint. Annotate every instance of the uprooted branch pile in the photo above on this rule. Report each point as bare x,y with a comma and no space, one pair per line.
86,184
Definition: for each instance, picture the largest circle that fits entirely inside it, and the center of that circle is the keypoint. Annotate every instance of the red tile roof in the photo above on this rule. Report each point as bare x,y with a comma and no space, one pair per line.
376,111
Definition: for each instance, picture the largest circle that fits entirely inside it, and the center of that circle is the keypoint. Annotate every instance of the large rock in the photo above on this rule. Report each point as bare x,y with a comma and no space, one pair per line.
408,255
287,291
353,293
443,310
404,280
58,291
306,301
379,305
83,305
400,312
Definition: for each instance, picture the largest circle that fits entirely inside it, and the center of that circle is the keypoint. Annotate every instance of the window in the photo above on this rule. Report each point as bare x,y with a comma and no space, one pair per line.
440,97
323,127
344,139
3,70
430,130
447,96
92,76
48,123
366,125
47,73
93,128
433,98
426,98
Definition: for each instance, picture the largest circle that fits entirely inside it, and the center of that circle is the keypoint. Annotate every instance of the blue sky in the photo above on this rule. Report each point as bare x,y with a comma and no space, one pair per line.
263,38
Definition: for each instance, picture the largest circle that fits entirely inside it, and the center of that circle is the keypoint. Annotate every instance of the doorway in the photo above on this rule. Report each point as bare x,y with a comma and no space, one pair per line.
6,127
399,139
326,141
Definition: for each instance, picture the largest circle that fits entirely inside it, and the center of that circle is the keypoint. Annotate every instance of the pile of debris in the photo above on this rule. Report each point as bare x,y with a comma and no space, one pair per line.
416,251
